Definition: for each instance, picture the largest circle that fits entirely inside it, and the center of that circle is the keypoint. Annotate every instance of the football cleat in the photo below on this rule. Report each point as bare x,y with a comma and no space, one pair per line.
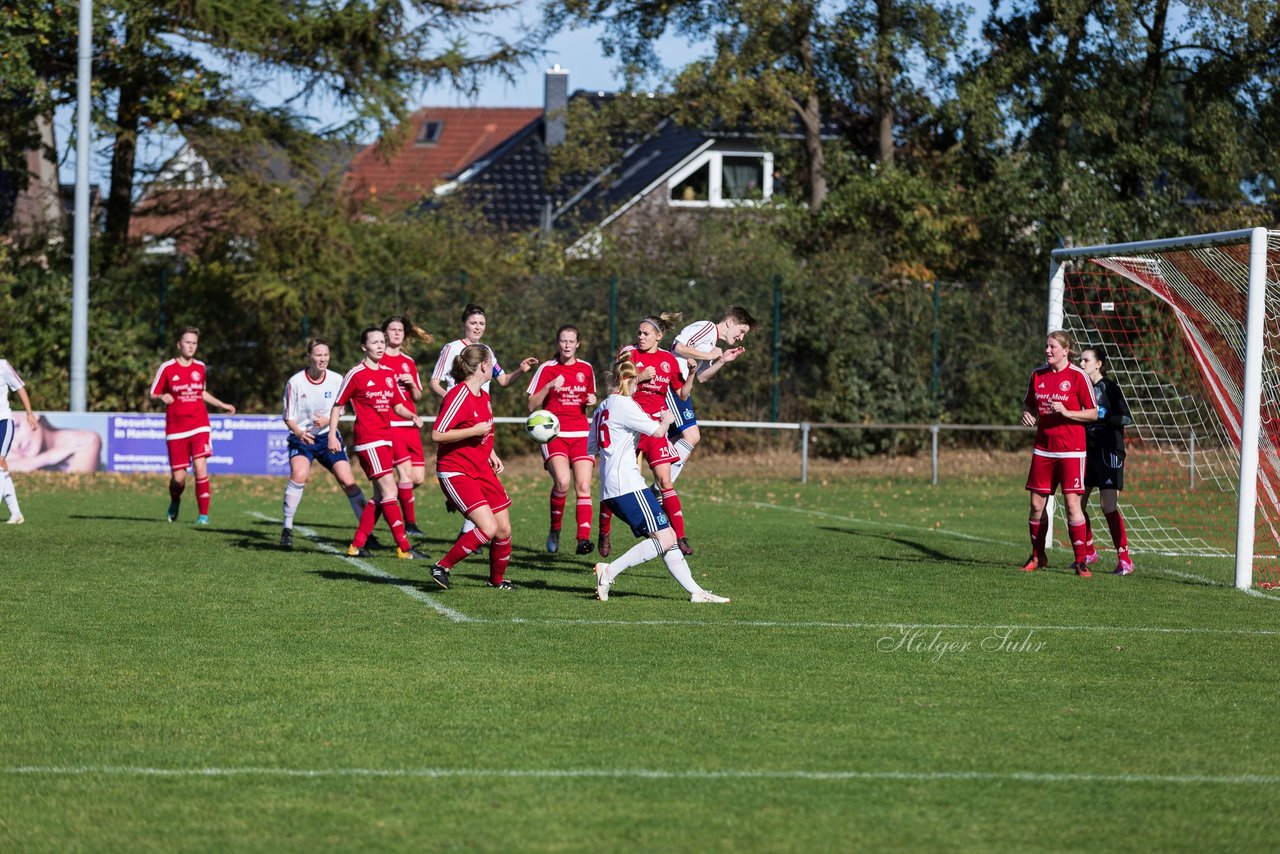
286,538
602,544
683,545
16,519
1035,562
372,543
172,513
501,585
412,530
706,596
585,547
1124,567
1081,569
411,554
356,551
440,576
202,521
1091,558
602,581
553,541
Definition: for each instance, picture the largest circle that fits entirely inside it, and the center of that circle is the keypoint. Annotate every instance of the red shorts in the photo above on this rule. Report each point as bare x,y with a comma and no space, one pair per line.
467,492
406,445
187,449
572,447
1048,473
375,459
657,450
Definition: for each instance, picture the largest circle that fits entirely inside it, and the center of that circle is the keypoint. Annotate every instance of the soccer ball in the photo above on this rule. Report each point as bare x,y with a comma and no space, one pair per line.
542,426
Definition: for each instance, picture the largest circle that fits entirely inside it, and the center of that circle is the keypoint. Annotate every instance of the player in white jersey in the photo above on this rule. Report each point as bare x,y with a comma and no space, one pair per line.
474,323
308,399
616,426
700,341
11,381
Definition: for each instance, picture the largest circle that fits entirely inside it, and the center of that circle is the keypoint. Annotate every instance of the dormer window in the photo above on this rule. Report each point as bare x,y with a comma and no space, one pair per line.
429,132
723,179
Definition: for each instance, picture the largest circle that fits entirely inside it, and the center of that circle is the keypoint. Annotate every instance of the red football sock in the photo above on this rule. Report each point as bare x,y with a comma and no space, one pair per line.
606,518
368,518
1078,532
466,544
671,504
557,509
1039,531
584,518
203,491
391,512
1118,536
499,557
1088,539
404,492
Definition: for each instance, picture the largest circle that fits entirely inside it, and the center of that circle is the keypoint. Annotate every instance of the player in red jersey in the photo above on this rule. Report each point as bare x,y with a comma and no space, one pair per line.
377,399
565,386
180,385
406,449
1058,403
659,372
468,468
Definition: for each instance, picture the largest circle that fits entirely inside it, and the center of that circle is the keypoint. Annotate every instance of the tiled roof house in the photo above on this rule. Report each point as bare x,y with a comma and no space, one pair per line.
440,142
660,179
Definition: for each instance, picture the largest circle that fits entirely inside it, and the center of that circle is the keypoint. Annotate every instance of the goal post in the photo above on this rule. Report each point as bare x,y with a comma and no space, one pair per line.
1191,326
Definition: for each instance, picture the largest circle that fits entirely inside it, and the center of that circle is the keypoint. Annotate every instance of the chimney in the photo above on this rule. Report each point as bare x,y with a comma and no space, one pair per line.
556,104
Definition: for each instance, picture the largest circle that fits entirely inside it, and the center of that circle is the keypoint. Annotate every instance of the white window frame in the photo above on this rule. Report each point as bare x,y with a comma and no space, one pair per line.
716,180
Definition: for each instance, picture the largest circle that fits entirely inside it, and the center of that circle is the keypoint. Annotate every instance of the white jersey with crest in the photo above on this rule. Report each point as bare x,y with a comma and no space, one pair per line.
701,336
9,381
444,364
305,398
615,426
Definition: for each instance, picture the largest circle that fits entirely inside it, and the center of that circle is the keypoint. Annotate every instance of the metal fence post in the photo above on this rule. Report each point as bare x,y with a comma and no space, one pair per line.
777,344
1191,463
804,451
934,429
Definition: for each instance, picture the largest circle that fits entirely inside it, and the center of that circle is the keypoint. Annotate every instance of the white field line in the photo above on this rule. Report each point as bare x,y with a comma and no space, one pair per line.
369,569
647,774
1261,594
980,627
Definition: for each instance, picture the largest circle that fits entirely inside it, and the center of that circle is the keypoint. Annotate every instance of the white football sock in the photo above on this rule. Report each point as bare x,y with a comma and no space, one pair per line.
645,550
9,494
683,450
292,497
679,569
357,501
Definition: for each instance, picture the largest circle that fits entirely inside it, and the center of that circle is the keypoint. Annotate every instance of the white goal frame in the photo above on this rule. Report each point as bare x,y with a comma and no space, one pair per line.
1251,404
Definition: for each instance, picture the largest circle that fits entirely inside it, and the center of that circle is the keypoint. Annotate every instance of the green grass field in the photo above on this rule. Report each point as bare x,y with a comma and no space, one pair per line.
884,678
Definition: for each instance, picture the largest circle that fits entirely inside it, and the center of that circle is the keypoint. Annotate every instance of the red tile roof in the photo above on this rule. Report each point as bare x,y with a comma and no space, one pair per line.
415,168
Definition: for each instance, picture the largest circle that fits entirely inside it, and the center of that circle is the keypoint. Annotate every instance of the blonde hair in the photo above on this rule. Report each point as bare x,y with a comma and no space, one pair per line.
623,378
468,361
662,322
1066,340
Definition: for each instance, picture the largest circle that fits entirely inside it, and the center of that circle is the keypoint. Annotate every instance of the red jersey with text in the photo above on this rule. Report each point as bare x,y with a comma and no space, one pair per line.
463,408
372,392
569,401
651,395
187,415
400,365
1056,435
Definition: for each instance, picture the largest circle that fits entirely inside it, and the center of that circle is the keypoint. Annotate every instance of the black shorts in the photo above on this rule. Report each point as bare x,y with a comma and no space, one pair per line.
1104,470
